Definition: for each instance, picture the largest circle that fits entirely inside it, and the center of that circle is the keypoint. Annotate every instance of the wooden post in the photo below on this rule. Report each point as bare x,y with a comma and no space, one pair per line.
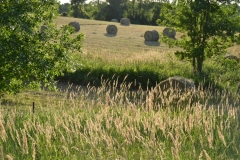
33,107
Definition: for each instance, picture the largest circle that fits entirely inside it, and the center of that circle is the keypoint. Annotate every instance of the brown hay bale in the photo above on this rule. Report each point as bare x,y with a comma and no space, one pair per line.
231,57
151,35
114,20
75,25
43,28
169,32
125,21
177,82
111,29
173,92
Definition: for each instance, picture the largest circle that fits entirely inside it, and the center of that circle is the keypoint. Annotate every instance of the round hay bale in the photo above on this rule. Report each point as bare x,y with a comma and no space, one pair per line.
125,21
111,29
231,57
169,32
75,25
151,35
43,28
177,82
114,20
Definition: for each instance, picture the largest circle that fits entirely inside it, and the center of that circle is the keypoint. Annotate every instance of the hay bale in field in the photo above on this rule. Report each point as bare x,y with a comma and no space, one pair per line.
75,25
114,20
43,28
169,32
111,29
151,35
177,82
125,21
232,57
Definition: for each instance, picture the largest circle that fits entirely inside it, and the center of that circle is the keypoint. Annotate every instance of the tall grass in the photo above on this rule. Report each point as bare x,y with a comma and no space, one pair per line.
119,123
125,116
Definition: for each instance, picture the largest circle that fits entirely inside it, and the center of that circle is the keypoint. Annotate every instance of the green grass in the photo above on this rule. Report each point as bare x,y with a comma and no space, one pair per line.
124,115
111,123
146,63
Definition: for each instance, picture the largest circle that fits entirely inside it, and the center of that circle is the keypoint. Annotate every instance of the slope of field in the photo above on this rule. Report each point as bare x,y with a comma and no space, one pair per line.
126,44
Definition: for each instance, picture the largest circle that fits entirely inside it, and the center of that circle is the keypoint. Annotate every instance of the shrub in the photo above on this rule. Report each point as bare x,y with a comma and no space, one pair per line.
64,14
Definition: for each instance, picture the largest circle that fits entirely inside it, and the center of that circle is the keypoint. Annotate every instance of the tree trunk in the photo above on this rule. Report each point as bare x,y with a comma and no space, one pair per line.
199,64
133,10
194,65
200,58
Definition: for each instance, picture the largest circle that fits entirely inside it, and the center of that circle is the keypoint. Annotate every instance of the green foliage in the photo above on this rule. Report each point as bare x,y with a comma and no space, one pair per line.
99,10
139,12
220,73
223,72
64,14
66,7
78,9
115,9
147,74
208,28
31,56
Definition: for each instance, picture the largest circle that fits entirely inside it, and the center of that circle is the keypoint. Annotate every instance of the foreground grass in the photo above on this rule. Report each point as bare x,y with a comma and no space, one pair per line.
111,123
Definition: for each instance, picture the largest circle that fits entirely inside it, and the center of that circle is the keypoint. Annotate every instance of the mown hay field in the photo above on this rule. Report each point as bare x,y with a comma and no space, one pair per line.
127,44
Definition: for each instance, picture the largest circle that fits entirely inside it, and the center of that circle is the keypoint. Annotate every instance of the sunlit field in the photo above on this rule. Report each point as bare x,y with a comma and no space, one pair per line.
114,121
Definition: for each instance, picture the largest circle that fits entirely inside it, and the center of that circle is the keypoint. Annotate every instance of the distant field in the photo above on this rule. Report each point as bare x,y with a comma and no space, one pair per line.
126,45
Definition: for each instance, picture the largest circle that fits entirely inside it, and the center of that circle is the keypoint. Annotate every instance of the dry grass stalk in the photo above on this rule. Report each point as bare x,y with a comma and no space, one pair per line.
128,120
33,151
125,21
3,133
169,32
1,152
9,157
111,29
25,143
151,35
75,25
210,140
206,155
221,137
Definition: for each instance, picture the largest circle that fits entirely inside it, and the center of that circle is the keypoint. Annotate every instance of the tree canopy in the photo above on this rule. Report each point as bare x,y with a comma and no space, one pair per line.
208,28
29,55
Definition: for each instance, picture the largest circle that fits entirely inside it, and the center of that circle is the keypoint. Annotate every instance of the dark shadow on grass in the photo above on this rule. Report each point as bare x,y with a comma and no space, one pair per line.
110,35
152,43
144,80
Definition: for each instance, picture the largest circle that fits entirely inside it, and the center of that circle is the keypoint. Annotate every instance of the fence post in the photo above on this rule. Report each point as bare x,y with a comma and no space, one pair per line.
33,107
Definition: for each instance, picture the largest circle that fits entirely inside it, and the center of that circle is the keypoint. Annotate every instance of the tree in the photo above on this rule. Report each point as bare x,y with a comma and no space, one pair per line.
208,27
78,9
31,56
66,7
115,9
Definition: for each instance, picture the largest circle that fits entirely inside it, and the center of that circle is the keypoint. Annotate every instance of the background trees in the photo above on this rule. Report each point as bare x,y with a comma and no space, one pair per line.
139,11
78,9
31,56
208,28
66,7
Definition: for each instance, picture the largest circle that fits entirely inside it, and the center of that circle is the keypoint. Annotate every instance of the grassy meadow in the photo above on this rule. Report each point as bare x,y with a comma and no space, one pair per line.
126,115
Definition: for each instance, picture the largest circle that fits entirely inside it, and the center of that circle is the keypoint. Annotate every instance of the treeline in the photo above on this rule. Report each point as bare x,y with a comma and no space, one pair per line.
139,11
